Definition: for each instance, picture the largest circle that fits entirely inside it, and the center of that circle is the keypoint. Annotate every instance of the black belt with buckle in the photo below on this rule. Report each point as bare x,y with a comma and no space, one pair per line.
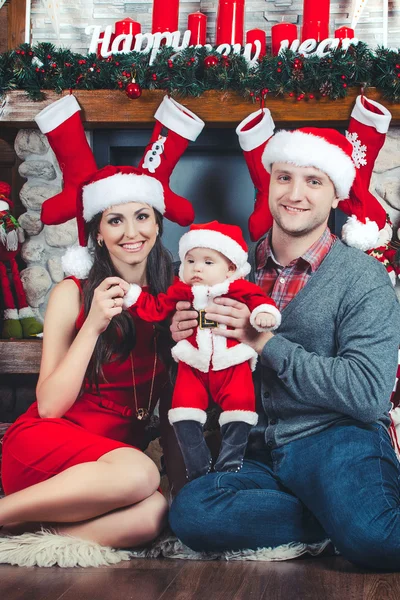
205,323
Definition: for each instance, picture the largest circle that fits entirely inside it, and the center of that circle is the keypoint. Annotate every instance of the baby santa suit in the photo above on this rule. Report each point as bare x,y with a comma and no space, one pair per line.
210,364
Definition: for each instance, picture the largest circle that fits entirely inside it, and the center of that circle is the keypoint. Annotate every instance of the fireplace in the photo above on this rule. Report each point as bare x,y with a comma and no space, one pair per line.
212,174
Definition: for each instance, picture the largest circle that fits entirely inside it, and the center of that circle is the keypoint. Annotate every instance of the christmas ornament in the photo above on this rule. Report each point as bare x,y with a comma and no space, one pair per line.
210,61
133,90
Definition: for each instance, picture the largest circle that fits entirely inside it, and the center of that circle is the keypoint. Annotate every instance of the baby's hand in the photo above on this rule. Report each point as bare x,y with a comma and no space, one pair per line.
265,320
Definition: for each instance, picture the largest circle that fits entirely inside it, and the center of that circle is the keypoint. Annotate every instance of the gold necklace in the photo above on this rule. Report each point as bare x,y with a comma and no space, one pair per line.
142,414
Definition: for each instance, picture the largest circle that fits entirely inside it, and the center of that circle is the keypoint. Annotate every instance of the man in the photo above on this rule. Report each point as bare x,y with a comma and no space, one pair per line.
319,463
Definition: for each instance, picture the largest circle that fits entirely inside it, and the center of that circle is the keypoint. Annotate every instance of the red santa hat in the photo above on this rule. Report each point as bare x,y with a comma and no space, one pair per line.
95,190
343,159
226,239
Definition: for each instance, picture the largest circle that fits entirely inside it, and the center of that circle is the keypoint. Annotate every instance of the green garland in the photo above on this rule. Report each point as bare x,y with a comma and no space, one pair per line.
192,71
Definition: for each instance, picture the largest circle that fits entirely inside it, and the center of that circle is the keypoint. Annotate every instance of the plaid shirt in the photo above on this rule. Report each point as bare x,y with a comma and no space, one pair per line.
284,283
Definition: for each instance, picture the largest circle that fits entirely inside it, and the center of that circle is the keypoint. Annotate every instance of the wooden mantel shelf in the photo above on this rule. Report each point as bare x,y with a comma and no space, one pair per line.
112,109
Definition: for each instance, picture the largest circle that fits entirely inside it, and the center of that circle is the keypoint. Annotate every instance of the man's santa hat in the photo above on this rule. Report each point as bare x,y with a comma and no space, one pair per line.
93,191
226,239
348,162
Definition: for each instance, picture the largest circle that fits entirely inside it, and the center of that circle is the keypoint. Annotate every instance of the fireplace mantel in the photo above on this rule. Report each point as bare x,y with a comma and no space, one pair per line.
112,109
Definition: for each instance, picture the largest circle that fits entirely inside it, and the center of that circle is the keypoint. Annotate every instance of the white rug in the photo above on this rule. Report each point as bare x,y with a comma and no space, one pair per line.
47,549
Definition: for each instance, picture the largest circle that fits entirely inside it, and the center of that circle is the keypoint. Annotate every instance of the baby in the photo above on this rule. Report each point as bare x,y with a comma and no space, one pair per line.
213,264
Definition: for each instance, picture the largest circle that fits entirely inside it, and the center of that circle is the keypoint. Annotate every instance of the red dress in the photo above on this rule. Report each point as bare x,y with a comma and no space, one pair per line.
35,449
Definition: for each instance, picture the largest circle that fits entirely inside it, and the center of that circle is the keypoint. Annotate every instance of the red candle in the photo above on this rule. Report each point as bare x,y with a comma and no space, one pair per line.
344,32
197,25
315,20
230,22
165,16
127,26
281,32
257,34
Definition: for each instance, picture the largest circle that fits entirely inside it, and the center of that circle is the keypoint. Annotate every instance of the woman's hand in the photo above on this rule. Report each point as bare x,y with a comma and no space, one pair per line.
236,315
183,322
106,303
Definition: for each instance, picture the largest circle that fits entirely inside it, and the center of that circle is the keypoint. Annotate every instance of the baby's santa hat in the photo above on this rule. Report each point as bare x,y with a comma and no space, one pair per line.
226,239
348,162
5,191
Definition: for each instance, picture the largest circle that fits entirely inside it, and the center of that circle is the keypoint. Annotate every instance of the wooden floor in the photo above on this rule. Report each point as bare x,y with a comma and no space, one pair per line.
330,578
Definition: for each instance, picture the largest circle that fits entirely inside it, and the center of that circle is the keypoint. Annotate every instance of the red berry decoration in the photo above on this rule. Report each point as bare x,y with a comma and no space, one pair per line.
133,90
311,96
397,66
264,91
210,61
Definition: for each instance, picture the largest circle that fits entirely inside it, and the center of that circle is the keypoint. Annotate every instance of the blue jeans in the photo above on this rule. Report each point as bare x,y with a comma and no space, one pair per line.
342,483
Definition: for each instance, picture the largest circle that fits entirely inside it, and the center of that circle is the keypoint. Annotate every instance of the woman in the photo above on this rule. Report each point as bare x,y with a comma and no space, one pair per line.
72,459
104,489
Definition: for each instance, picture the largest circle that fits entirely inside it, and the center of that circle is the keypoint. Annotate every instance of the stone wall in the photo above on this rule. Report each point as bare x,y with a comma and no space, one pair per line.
45,245
74,15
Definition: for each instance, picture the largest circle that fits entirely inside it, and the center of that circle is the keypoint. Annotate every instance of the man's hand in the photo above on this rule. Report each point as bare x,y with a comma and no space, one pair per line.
183,322
236,315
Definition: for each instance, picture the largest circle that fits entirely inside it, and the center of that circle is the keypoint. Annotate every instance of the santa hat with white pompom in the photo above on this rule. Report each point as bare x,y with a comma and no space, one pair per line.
347,160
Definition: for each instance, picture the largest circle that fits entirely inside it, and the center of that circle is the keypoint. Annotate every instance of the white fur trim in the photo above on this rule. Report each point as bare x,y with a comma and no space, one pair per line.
379,122
187,414
198,358
10,314
132,295
232,416
265,308
257,135
207,238
57,113
4,205
168,546
307,150
363,236
25,313
180,119
77,261
122,188
47,549
224,357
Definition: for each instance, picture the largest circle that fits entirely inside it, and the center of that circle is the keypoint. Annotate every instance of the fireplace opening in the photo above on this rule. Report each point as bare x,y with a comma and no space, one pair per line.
212,174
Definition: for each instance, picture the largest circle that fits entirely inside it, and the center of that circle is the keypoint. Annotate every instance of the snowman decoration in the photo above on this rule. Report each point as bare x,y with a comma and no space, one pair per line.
152,159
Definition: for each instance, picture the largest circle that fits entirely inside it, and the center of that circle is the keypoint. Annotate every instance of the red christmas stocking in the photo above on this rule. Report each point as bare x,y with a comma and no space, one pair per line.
253,133
62,125
175,127
366,227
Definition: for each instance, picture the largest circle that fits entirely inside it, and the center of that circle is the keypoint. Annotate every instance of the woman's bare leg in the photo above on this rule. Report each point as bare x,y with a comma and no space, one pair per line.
118,479
126,527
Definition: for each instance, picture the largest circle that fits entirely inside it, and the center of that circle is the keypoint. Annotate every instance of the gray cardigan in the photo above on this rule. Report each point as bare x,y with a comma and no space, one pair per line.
335,354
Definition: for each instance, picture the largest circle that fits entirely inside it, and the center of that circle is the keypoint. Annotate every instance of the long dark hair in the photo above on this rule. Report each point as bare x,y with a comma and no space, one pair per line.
120,336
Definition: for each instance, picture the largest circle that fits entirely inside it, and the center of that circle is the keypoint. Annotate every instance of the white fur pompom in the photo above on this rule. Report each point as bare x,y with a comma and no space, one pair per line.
77,261
363,236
